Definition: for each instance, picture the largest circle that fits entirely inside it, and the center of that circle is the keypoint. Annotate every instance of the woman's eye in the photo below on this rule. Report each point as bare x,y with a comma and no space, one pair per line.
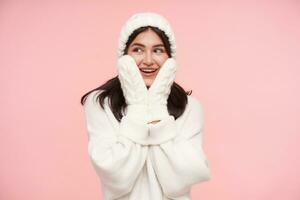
159,50
137,50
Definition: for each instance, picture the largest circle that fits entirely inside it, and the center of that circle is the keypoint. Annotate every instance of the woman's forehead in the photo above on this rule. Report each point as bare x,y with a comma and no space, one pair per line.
147,38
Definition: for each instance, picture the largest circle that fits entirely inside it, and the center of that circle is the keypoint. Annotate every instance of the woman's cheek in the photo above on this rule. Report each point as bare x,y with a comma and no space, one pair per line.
138,59
161,60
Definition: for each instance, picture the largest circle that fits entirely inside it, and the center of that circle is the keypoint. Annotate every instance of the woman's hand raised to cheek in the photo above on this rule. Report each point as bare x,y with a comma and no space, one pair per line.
143,104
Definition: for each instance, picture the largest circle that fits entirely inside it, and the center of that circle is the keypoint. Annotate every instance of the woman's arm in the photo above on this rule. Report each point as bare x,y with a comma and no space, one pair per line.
117,160
181,162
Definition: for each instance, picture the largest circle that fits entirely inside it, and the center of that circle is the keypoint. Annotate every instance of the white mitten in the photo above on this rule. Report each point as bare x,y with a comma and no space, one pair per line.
160,89
147,105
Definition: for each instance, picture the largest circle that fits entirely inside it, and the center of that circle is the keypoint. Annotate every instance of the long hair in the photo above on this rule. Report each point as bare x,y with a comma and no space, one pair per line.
111,89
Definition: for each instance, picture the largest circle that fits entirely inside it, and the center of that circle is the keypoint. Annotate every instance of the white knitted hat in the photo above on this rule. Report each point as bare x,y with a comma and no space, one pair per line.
146,19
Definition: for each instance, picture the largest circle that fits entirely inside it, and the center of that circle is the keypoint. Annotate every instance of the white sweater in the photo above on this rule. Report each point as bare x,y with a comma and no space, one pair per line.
129,170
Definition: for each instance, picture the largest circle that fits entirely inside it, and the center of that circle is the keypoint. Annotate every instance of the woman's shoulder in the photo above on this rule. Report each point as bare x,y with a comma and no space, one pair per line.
193,116
194,103
92,100
195,110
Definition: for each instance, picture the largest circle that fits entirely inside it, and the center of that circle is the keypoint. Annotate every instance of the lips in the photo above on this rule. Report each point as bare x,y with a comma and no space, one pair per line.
148,71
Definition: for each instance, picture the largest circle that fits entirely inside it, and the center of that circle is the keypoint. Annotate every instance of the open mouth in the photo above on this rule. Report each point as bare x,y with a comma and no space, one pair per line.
148,71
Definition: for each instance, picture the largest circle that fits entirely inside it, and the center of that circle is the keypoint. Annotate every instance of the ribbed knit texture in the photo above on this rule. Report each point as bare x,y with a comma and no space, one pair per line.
149,104
132,83
145,19
131,168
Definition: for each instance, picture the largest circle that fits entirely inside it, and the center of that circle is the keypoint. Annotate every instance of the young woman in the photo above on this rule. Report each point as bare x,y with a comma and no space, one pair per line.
145,131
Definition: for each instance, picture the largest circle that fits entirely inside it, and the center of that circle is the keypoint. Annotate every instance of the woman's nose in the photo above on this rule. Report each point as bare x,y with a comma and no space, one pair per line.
148,60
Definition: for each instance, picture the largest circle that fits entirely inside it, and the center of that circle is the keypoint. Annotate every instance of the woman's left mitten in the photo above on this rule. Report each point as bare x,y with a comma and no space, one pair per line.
161,88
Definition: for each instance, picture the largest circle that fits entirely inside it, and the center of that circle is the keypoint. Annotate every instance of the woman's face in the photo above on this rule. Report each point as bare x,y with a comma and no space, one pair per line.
149,53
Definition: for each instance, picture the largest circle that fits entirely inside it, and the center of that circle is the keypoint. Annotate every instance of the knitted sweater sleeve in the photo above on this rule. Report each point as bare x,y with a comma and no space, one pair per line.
181,162
117,160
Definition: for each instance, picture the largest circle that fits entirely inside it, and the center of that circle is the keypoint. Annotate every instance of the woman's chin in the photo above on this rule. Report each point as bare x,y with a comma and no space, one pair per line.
148,83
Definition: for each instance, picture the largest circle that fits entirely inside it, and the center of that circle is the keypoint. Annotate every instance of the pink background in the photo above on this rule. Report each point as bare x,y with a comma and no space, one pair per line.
240,59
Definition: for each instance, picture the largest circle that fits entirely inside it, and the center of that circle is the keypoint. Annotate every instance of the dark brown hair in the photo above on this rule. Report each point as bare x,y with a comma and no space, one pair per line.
111,89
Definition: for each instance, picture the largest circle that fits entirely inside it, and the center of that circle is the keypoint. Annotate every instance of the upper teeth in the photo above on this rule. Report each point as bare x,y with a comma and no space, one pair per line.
148,70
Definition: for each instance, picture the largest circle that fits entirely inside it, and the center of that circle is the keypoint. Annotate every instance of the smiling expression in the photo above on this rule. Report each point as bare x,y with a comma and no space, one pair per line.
149,53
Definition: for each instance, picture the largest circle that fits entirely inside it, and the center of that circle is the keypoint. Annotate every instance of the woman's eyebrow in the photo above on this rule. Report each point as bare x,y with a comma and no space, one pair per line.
139,44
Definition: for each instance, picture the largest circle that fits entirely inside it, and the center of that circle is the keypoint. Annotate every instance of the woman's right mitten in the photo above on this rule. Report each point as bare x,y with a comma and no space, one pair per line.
133,87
